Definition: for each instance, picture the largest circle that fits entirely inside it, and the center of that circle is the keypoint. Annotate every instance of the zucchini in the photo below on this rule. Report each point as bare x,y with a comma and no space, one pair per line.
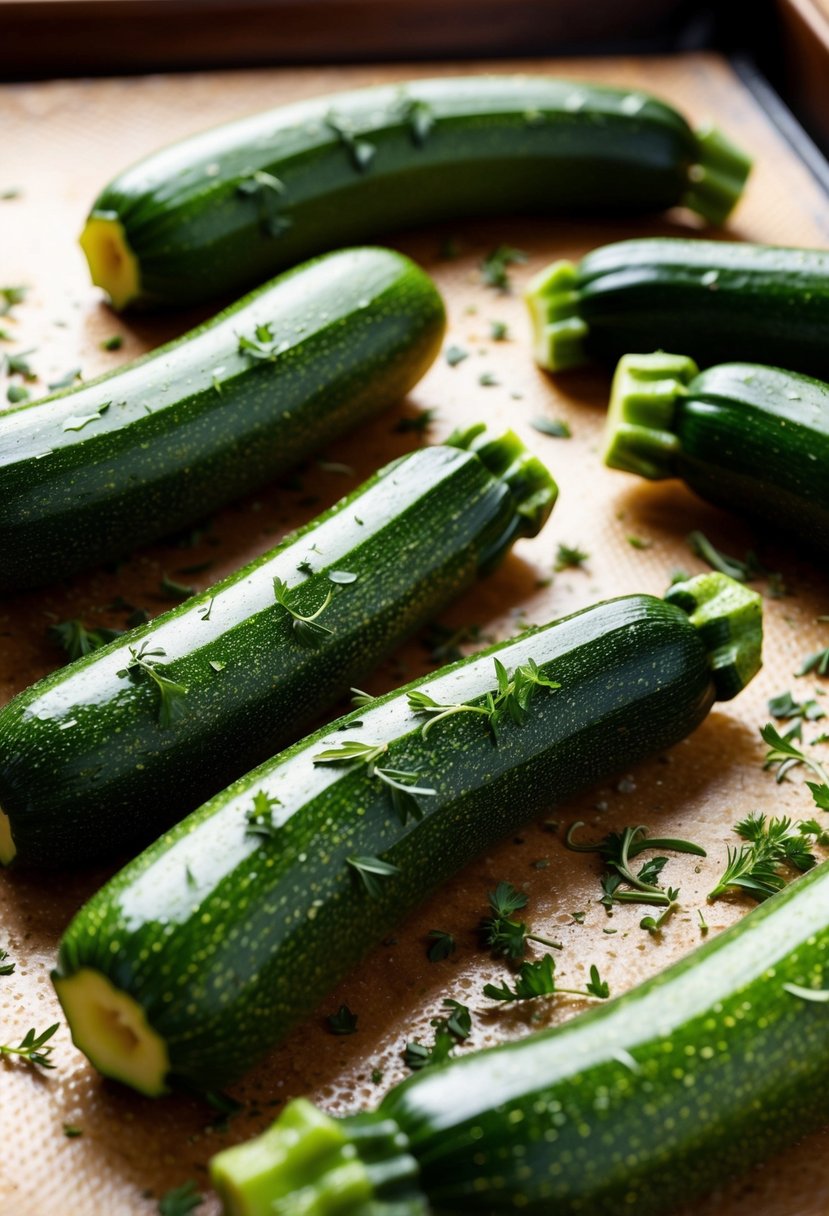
753,439
148,448
713,299
103,754
194,959
642,1104
224,209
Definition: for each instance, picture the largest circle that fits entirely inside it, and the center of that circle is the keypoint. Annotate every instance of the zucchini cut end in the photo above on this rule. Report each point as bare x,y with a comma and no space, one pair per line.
717,179
357,1166
112,1031
112,264
533,488
559,332
8,849
639,434
729,620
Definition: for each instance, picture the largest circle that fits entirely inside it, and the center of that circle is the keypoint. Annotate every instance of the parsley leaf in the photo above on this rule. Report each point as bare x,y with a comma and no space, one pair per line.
507,938
144,662
260,817
538,979
77,640
180,1200
568,557
443,944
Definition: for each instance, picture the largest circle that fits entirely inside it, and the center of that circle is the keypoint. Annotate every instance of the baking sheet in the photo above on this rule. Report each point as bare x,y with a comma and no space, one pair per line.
62,141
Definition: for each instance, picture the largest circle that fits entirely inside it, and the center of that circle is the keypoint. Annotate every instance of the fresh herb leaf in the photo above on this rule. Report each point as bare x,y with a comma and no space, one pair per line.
817,663
33,1048
9,297
307,629
16,394
819,995
77,640
569,557
455,355
618,851
180,1200
639,542
172,590
755,866
820,793
260,817
145,662
371,870
76,422
498,331
420,118
784,706
66,379
217,664
448,1032
71,1131
538,979
343,1021
783,753
551,426
266,191
113,343
495,266
402,783
360,152
743,571
459,1022
8,968
415,423
360,698
17,364
443,944
488,380
504,936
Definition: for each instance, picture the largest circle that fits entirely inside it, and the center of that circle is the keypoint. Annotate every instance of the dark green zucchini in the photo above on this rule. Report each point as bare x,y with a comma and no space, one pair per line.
103,754
225,209
751,438
145,450
713,299
194,959
639,1105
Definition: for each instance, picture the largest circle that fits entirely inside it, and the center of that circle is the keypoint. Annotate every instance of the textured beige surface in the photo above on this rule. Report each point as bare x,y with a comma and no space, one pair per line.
61,142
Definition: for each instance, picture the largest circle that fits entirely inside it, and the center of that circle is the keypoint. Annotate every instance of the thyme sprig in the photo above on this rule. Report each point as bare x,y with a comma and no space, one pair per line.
757,866
370,871
171,694
33,1048
402,783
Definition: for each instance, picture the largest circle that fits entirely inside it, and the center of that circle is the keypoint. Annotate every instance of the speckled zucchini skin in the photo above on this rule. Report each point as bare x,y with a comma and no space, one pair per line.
86,768
751,438
352,165
756,440
199,422
639,1105
711,299
225,940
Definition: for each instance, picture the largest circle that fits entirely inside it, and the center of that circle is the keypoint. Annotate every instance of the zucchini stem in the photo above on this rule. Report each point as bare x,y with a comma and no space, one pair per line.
717,178
639,435
559,332
358,1165
729,620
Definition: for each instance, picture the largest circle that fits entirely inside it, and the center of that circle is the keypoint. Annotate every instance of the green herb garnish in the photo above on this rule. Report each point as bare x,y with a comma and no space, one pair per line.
755,867
402,783
16,394
505,936
498,331
343,1021
145,662
743,571
817,663
8,968
33,1050
783,753
371,870
77,640
307,629
113,343
784,706
360,152
181,1200
538,979
442,945
512,699
551,426
495,266
260,817
455,355
417,423
570,558
66,379
618,850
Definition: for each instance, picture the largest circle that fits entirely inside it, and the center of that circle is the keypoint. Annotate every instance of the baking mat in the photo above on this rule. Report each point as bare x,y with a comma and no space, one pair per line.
61,143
